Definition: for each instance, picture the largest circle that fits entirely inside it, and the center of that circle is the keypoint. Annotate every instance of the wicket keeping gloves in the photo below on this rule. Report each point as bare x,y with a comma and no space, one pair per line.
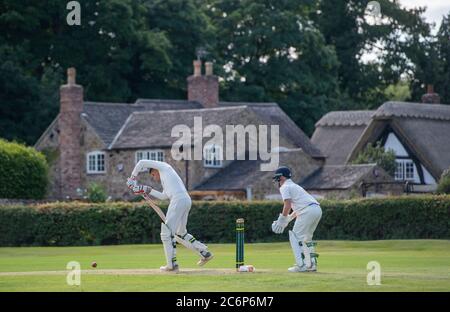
276,228
131,182
279,225
141,189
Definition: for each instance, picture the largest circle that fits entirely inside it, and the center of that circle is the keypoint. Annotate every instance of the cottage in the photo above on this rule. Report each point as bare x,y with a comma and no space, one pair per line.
101,142
418,133
350,181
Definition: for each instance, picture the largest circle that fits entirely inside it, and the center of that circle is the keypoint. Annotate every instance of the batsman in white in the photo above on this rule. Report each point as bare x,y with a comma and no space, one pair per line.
308,213
177,213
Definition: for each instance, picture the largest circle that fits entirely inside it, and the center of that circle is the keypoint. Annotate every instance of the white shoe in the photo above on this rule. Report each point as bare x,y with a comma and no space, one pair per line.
165,268
303,268
203,260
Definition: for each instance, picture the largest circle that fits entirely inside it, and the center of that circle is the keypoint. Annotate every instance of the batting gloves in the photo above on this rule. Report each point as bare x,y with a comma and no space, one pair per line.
131,182
141,189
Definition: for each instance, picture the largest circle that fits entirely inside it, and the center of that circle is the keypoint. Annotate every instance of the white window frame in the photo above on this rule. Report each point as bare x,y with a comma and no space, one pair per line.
212,159
96,165
151,154
401,172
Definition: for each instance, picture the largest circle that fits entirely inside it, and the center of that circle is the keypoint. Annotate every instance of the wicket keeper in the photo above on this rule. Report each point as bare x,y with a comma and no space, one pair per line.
308,213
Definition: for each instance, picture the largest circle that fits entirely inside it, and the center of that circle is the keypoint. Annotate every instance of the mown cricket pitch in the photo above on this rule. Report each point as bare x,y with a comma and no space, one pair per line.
406,265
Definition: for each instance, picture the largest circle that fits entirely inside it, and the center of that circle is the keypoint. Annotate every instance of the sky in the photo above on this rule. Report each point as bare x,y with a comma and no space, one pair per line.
435,9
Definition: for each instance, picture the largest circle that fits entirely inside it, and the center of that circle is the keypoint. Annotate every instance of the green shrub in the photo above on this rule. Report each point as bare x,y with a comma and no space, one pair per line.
65,224
96,193
444,183
23,172
377,154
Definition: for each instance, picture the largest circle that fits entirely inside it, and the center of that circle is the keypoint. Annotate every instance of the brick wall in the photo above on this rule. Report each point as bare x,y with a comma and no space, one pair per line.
49,146
203,88
69,123
91,142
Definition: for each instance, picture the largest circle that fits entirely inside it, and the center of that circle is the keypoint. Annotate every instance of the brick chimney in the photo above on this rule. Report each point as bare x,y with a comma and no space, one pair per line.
203,88
71,107
431,97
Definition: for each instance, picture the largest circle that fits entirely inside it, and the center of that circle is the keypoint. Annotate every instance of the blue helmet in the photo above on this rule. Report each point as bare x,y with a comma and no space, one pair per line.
282,172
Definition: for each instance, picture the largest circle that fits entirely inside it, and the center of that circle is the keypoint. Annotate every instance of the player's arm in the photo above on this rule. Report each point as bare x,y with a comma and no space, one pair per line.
280,224
159,195
146,164
287,207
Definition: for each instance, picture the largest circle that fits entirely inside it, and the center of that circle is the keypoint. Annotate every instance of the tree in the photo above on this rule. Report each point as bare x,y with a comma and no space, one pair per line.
433,64
271,51
398,92
377,154
186,27
113,51
395,41
27,104
443,47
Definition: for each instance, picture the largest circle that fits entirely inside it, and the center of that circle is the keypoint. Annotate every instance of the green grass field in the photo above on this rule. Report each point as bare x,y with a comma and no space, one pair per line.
406,265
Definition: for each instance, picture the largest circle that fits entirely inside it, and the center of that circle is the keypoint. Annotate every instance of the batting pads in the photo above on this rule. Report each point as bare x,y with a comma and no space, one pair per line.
304,252
169,246
190,242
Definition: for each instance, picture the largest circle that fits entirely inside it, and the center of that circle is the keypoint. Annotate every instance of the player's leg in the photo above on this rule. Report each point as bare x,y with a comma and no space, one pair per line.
310,244
295,238
311,217
173,219
296,249
304,228
170,249
189,241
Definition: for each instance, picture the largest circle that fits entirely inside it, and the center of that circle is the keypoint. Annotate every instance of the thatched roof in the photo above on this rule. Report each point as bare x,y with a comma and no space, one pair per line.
429,140
346,118
337,177
423,128
337,132
413,110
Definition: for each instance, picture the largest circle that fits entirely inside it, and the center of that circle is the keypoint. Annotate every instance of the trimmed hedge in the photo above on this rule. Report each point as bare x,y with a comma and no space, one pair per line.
64,224
23,172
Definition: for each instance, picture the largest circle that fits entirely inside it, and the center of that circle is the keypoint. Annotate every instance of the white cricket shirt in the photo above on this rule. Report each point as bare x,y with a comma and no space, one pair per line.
299,197
170,180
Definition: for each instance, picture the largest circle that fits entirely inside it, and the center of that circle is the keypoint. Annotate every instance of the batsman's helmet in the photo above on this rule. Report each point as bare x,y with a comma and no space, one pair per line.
282,172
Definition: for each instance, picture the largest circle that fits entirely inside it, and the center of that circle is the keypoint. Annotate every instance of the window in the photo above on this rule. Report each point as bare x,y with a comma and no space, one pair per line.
150,155
212,156
405,170
95,162
409,171
399,170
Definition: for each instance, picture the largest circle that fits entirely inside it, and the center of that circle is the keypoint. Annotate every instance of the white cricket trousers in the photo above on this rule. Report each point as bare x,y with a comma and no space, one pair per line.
306,222
178,213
